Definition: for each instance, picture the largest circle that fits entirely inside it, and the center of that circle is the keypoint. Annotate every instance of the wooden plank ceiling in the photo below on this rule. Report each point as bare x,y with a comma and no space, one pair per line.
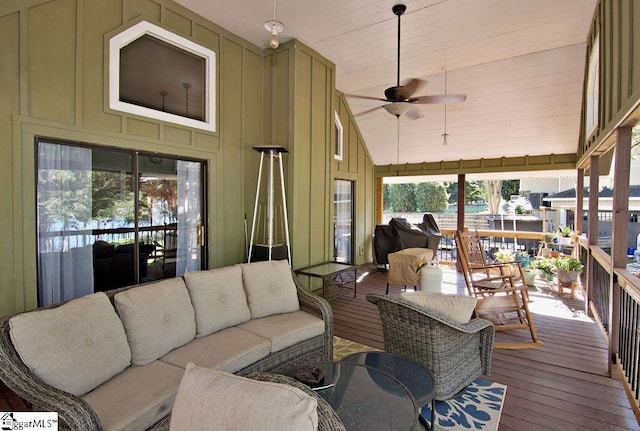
520,62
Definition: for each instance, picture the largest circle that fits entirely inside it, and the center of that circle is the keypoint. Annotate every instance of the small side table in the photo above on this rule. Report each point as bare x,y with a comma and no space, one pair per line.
329,272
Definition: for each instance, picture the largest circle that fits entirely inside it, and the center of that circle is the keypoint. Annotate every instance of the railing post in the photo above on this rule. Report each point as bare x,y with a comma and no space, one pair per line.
592,223
619,228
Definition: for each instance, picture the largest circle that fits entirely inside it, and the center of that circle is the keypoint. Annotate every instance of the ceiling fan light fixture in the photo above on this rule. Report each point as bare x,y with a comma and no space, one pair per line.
397,108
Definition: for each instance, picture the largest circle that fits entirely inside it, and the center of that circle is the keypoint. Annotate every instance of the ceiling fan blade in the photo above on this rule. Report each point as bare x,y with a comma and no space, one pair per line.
407,90
355,96
439,98
367,111
414,113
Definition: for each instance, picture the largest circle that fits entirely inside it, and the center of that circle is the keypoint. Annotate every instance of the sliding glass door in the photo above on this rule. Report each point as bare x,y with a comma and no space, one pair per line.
343,221
109,218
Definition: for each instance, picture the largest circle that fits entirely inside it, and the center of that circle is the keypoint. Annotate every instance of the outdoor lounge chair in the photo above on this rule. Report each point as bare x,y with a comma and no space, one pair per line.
455,353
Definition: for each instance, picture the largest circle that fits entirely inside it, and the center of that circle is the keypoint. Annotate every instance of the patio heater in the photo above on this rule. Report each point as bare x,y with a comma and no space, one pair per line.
270,225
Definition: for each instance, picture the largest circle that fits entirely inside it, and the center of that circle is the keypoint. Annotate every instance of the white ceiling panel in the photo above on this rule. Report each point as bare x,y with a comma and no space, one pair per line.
520,62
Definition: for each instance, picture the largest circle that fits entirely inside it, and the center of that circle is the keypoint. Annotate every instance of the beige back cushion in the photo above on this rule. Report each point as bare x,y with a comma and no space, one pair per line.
74,347
270,288
457,308
218,299
157,318
215,400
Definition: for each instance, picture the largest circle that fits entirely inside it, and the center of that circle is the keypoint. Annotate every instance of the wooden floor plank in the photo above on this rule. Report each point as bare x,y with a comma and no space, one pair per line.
561,386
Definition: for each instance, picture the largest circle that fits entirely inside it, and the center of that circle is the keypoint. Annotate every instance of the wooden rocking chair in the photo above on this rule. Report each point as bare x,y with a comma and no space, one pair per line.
500,289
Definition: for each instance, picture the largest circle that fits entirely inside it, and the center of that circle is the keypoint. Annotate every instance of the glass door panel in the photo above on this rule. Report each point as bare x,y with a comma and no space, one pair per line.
99,228
343,221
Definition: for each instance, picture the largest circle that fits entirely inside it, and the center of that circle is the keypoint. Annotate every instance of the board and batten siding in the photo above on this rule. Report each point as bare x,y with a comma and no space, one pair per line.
54,84
615,23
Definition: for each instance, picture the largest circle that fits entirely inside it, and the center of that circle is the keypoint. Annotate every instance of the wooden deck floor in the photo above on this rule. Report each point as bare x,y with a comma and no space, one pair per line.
561,386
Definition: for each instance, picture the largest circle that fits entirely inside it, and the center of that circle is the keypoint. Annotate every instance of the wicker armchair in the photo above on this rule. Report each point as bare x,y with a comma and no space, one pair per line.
455,353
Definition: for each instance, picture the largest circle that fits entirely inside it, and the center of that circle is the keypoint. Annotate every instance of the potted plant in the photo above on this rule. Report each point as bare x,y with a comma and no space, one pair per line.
504,256
523,258
546,266
564,233
568,269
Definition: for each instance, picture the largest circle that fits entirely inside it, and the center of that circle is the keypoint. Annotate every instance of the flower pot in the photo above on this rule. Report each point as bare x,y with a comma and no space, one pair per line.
529,278
565,240
524,260
567,277
548,276
546,252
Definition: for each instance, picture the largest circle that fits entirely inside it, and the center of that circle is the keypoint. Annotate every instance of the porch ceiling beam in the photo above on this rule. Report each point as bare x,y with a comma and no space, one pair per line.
545,162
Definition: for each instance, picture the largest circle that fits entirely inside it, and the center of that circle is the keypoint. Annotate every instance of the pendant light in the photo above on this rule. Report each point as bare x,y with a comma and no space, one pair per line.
445,134
274,27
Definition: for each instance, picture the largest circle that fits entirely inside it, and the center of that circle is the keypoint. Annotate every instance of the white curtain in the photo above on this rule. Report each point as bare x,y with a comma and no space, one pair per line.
65,254
189,222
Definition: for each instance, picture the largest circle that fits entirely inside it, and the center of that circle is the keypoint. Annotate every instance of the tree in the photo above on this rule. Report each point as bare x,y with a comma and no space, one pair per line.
494,197
401,197
430,197
510,188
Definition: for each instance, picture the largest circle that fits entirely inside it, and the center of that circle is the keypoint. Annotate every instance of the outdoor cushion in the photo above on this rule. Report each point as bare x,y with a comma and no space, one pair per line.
230,349
73,347
270,288
287,329
215,400
457,308
137,398
157,318
218,298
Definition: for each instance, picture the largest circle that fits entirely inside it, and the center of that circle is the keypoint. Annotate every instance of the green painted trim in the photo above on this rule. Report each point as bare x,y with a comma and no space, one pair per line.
502,164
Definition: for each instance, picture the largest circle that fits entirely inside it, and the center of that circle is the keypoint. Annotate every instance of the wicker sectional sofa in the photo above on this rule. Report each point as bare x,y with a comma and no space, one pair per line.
113,360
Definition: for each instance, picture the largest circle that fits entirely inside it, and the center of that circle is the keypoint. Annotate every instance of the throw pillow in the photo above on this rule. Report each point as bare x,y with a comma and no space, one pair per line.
218,299
270,288
74,347
215,400
457,308
157,318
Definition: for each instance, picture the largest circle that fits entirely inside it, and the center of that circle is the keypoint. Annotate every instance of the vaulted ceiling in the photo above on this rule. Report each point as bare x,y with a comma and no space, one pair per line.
520,63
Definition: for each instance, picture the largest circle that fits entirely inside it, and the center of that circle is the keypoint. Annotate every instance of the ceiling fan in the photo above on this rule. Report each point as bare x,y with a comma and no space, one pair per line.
400,97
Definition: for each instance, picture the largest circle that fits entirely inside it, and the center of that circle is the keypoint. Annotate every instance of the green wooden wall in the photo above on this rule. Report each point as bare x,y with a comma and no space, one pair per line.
53,82
301,102
616,23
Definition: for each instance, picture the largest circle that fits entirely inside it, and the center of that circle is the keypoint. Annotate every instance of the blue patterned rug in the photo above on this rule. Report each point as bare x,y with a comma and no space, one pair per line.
477,408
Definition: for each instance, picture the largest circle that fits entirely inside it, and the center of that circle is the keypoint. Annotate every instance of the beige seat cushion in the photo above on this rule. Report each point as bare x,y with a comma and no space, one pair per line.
215,400
218,298
457,308
270,288
287,329
137,398
230,350
157,318
74,347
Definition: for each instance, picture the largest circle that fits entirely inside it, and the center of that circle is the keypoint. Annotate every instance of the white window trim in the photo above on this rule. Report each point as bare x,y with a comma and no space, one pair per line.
339,137
124,38
592,107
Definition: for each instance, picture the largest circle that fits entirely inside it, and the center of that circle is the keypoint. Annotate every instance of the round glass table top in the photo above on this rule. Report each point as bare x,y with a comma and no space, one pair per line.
365,398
